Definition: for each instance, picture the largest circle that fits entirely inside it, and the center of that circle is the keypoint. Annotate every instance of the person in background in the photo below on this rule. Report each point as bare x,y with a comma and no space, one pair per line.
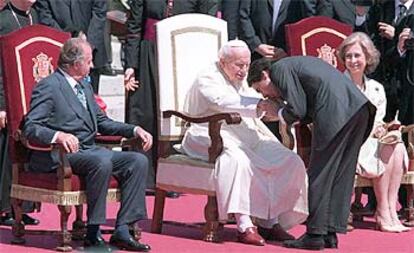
262,27
230,13
360,58
310,87
252,156
351,12
141,68
14,15
80,17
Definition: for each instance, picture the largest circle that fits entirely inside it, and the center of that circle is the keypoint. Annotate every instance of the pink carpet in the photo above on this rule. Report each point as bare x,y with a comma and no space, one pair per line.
187,237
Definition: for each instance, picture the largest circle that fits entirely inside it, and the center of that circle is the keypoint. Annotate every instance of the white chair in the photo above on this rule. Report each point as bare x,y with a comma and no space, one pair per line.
186,44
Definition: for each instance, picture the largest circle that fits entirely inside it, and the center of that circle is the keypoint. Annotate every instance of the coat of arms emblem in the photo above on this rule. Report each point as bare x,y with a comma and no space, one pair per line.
327,54
42,66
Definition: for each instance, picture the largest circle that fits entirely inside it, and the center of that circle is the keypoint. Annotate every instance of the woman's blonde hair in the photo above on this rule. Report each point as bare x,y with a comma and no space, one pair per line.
371,52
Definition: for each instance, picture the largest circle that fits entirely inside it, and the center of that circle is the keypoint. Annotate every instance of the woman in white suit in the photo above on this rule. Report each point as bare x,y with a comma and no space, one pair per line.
389,160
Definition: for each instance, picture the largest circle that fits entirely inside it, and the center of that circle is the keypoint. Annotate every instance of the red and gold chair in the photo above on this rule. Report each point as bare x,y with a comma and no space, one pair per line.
28,55
320,37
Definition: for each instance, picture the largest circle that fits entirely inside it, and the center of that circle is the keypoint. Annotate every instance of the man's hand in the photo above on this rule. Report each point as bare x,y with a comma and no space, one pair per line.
386,30
146,138
404,35
265,50
3,119
68,141
268,109
129,80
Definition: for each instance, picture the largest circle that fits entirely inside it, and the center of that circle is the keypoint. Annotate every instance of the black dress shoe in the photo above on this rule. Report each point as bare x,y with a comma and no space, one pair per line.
7,219
29,220
306,241
331,240
129,244
96,245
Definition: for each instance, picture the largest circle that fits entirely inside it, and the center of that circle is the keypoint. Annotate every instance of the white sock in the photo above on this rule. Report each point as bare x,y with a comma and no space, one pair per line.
243,222
267,223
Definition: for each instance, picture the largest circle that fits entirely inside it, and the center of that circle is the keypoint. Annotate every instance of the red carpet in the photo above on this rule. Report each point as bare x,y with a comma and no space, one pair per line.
186,238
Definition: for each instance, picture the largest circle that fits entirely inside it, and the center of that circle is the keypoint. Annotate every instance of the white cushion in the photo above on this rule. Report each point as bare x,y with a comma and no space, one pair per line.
181,173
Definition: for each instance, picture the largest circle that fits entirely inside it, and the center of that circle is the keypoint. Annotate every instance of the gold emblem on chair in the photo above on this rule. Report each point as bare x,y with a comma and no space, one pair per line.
327,54
42,66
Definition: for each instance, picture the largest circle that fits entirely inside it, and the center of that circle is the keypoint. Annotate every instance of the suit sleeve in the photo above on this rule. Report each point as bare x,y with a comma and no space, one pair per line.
325,8
2,98
209,7
96,29
247,31
230,11
41,108
134,25
289,85
309,8
45,15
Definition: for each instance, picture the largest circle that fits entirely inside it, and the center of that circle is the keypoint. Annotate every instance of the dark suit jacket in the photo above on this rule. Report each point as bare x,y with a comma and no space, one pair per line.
341,10
55,107
256,20
317,93
230,13
88,16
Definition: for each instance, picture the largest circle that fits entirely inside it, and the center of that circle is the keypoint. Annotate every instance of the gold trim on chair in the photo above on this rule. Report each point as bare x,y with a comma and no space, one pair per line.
19,64
64,198
315,31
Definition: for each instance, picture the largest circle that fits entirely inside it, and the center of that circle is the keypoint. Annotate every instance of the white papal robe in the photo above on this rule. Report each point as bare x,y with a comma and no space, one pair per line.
255,174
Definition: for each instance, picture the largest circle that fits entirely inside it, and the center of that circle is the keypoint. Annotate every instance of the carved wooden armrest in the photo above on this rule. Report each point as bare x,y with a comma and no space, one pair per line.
409,129
64,171
230,117
214,124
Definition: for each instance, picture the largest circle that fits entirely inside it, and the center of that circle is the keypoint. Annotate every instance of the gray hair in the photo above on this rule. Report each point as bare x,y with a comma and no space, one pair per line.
71,52
225,50
371,52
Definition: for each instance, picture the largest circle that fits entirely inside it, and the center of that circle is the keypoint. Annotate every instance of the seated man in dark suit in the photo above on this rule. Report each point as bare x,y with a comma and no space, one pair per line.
63,111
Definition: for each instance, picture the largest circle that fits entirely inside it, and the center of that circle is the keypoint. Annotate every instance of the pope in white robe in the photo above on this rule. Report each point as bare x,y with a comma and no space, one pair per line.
255,175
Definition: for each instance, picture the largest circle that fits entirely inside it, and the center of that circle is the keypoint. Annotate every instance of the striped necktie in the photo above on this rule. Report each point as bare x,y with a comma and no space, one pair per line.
401,13
80,94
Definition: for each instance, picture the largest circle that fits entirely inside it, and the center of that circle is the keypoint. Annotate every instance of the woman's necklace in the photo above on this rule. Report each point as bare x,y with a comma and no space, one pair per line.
17,19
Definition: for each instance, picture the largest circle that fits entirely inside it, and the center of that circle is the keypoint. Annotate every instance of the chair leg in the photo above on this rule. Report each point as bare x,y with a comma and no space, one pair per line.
18,226
212,225
158,214
78,226
65,237
410,206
